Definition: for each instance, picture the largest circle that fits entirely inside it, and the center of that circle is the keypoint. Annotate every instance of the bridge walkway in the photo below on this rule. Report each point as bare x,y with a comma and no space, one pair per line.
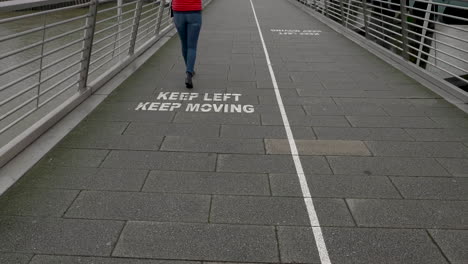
156,175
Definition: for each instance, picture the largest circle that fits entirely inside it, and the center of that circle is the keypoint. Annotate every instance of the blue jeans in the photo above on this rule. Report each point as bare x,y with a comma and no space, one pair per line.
188,25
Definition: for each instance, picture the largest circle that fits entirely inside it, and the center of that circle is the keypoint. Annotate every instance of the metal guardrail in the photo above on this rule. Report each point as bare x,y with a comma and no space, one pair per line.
51,62
432,34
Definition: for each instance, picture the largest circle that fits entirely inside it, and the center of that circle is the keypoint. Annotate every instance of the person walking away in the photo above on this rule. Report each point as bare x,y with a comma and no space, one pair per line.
188,21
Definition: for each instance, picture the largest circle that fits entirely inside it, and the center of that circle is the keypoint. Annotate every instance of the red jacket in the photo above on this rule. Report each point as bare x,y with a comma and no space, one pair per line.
186,5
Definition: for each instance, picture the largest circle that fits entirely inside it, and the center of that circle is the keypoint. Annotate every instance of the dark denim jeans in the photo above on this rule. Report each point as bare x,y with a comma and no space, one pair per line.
188,25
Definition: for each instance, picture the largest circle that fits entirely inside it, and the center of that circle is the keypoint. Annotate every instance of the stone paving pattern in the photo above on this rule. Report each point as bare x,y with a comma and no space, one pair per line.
386,160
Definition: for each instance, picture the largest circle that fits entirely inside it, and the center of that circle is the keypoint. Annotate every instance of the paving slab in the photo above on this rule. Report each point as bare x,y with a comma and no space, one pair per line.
432,188
409,213
277,211
354,133
240,131
16,258
160,160
457,167
207,183
453,244
359,245
85,178
439,134
334,186
69,157
46,259
36,202
171,129
318,147
58,236
387,166
140,206
269,164
418,149
214,145
175,241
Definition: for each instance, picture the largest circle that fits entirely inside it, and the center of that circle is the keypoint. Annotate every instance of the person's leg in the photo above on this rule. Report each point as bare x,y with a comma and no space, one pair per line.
194,22
180,22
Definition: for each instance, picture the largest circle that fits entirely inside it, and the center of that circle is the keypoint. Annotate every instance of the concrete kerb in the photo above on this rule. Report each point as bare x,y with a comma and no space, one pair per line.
14,169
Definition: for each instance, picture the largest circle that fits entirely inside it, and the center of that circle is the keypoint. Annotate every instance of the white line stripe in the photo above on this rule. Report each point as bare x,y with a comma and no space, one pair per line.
314,222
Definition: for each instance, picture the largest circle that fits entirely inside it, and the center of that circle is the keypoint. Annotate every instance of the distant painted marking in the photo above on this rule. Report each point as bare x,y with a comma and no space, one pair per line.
291,32
314,222
215,102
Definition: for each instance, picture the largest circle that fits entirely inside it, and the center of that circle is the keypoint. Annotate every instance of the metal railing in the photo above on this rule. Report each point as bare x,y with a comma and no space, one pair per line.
431,34
52,60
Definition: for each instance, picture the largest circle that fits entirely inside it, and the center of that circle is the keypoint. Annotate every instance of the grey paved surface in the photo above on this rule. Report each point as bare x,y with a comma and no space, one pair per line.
385,158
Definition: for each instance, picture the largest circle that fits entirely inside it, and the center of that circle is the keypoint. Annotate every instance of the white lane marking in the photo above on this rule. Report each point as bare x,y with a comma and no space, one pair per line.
314,222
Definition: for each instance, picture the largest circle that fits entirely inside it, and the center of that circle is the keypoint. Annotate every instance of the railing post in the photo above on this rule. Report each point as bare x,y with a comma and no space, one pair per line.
326,8
342,13
88,44
404,29
136,23
365,13
315,5
162,3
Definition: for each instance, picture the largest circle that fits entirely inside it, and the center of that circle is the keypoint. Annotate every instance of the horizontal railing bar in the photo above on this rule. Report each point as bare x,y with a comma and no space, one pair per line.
150,10
12,19
438,41
75,74
58,94
373,22
62,59
61,71
446,71
393,45
115,25
105,55
29,75
20,65
102,64
442,4
17,120
387,3
13,97
439,59
148,17
115,7
112,35
107,19
37,44
441,33
435,13
14,110
438,23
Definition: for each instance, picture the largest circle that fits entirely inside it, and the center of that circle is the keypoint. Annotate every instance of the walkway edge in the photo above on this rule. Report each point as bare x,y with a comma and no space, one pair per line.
446,91
314,221
16,167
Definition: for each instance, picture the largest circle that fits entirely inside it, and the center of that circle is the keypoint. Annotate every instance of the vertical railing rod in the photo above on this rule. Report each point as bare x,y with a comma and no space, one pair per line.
162,3
404,29
88,44
365,13
41,60
315,5
136,23
326,8
342,13
119,26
